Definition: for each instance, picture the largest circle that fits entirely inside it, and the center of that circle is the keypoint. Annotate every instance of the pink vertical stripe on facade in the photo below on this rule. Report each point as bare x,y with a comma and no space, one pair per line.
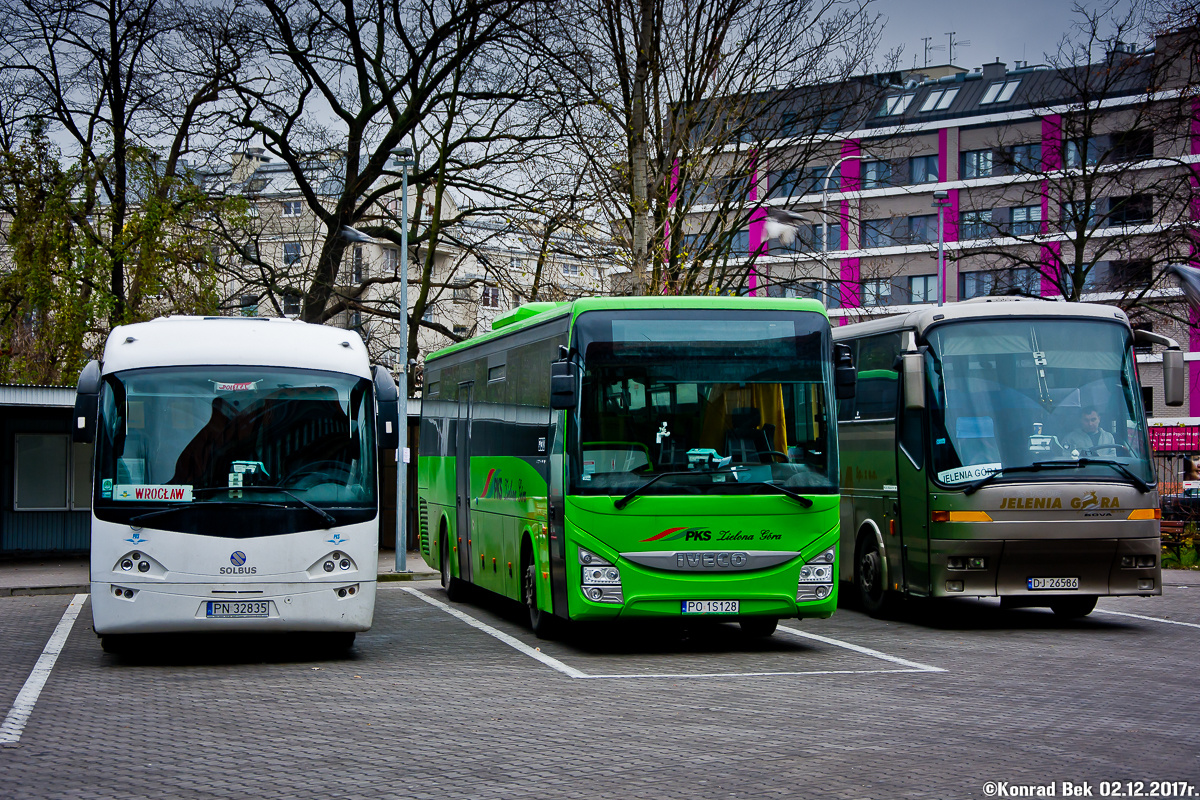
1052,158
672,204
1193,367
757,243
849,181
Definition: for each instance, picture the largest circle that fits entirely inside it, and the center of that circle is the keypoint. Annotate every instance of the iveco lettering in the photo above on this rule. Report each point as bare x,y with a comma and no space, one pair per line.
998,447
236,482
613,458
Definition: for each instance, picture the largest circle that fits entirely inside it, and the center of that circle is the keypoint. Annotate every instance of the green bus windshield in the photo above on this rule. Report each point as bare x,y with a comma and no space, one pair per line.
1010,393
732,399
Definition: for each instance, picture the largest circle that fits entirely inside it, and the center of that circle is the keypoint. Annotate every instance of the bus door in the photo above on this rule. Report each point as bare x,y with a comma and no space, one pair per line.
462,461
912,492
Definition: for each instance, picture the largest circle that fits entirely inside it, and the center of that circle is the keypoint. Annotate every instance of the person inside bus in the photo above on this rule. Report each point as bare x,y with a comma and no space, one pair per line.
1089,435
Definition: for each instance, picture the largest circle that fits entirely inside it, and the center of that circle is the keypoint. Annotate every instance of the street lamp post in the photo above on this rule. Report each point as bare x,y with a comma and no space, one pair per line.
941,199
403,158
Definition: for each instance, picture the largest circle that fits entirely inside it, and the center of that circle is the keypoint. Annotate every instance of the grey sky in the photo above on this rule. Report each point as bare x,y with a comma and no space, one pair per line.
1009,29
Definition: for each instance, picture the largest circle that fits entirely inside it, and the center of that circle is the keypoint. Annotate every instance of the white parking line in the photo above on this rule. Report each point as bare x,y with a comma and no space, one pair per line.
572,672
22,707
1151,619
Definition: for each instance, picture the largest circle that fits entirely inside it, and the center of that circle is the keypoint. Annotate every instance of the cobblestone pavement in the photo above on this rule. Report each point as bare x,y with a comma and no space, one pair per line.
427,706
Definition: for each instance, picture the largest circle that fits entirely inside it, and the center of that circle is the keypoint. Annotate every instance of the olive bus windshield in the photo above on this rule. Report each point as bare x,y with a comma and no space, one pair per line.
235,451
714,402
1019,396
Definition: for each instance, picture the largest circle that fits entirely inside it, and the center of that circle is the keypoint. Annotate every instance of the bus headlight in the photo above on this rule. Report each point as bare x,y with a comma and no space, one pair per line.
816,577
600,578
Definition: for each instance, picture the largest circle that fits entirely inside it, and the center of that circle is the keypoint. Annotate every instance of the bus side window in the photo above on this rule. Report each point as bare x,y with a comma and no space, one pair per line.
847,409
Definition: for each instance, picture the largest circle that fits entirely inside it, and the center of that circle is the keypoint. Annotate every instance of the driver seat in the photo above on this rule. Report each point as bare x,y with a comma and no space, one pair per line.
746,441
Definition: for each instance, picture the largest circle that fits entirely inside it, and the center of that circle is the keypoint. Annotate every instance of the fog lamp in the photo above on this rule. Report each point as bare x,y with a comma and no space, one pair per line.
127,565
328,566
954,586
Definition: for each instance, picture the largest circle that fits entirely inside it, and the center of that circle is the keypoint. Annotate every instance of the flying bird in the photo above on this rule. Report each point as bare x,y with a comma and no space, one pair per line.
783,225
1189,281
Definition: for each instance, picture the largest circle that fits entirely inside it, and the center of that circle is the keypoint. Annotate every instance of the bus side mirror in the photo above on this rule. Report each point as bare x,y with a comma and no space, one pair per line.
87,404
1173,378
387,396
913,370
564,377
845,376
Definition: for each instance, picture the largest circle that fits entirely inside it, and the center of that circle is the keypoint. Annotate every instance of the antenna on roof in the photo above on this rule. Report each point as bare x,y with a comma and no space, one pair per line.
930,48
960,43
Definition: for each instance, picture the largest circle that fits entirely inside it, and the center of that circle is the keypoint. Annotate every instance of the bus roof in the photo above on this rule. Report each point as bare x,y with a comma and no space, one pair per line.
980,308
521,321
248,341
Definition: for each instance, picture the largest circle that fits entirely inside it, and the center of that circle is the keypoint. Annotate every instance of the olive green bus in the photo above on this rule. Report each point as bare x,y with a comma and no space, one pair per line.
637,457
998,447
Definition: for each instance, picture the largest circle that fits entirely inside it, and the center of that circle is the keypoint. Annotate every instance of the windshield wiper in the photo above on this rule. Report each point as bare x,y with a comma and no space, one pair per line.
1038,466
799,498
627,499
1141,485
325,515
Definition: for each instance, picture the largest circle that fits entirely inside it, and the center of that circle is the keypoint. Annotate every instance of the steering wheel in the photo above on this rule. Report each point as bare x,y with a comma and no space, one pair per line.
786,458
1116,448
335,471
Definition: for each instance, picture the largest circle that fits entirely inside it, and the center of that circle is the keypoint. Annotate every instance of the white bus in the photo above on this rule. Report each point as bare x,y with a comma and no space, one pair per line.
235,484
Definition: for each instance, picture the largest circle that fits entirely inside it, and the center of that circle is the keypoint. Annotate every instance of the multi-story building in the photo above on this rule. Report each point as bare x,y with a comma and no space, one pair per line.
1070,183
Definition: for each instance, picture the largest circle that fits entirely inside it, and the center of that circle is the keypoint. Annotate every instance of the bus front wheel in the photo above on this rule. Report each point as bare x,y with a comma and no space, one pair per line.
873,594
1073,607
542,622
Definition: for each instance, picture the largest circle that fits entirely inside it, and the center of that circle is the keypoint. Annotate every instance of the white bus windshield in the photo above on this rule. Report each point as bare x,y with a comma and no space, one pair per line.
1013,393
230,445
728,399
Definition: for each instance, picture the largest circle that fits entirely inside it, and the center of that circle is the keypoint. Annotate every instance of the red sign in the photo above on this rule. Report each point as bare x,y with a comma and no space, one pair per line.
1176,438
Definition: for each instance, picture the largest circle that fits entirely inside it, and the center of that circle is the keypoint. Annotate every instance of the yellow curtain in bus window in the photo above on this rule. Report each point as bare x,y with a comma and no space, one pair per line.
755,405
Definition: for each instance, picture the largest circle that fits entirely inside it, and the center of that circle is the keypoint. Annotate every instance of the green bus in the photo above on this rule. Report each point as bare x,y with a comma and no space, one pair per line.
998,448
638,457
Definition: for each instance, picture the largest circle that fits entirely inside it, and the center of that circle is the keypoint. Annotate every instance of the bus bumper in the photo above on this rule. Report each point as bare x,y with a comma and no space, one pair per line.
137,607
1005,567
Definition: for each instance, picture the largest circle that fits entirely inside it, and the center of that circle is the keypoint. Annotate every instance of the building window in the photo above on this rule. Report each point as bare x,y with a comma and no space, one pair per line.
1079,214
291,304
1135,209
740,245
1135,274
939,100
292,253
1145,348
248,304
975,224
355,321
876,174
1000,92
356,264
922,229
1025,158
999,282
391,260
490,298
1133,145
292,208
460,330
799,182
877,292
1025,220
462,293
923,169
1084,150
977,164
42,467
895,105
880,232
571,270
922,289
828,237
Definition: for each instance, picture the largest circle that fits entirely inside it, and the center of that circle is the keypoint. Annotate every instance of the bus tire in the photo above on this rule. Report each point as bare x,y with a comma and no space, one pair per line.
873,594
758,627
541,622
115,643
1073,607
455,590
